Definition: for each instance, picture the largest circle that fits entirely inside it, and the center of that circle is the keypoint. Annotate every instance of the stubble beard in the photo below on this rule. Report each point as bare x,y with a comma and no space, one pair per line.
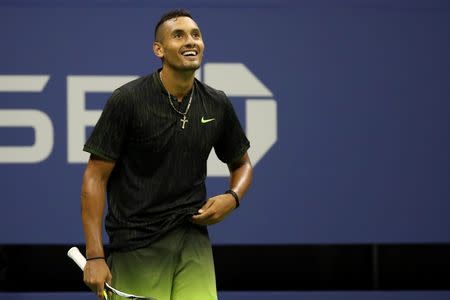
191,67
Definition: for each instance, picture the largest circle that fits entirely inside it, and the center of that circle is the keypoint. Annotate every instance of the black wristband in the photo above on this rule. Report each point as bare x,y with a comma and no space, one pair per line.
236,197
95,257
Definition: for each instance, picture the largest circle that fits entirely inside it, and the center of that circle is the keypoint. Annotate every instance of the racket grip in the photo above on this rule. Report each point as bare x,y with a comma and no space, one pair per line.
77,257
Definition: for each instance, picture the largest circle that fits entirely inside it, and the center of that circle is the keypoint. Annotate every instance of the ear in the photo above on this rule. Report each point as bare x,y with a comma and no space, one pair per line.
158,49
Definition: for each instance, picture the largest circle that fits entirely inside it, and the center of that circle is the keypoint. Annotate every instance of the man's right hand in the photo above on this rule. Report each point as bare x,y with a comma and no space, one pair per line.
96,273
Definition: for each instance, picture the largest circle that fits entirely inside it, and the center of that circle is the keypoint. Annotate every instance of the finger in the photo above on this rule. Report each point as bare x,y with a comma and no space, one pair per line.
91,285
109,278
199,222
208,220
101,294
205,207
203,216
100,291
87,278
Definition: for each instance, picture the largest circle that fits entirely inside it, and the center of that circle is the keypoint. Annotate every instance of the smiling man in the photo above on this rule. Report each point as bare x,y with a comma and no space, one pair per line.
149,153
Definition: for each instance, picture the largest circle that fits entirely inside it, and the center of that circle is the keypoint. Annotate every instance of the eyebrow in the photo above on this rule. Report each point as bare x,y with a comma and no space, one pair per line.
196,30
177,31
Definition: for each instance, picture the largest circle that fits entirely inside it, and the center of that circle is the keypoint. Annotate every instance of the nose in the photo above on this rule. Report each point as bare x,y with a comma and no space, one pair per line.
190,41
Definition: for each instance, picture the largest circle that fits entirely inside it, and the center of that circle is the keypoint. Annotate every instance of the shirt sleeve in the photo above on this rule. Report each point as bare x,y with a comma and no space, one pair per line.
110,132
232,143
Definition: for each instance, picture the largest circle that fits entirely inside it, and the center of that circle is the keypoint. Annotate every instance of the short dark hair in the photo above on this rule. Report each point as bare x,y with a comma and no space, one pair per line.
176,13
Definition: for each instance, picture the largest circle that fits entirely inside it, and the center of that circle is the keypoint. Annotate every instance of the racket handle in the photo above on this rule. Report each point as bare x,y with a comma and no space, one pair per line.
77,257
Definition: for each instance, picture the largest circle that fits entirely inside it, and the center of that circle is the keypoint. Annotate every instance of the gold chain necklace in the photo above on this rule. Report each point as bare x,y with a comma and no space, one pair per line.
184,120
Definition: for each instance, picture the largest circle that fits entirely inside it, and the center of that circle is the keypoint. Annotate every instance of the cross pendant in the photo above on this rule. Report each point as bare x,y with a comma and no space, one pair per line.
184,120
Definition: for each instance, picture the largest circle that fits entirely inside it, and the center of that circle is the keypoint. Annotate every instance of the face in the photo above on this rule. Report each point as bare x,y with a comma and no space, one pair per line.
180,44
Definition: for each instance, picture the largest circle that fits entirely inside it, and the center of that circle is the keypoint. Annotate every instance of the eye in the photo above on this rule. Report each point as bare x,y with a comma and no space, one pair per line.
178,35
196,35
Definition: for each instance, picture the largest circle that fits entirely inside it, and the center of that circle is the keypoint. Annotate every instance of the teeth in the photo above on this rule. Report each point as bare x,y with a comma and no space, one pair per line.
189,53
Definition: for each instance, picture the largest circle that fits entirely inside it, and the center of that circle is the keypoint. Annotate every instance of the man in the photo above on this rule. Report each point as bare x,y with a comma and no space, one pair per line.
148,154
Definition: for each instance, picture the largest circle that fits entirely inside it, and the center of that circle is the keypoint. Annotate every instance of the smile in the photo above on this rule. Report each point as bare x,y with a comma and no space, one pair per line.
189,53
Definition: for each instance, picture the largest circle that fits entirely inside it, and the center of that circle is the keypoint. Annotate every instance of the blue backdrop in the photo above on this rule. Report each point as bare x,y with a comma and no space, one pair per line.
347,103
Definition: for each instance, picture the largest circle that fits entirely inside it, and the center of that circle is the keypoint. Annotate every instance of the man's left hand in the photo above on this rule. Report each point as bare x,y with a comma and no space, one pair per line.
215,210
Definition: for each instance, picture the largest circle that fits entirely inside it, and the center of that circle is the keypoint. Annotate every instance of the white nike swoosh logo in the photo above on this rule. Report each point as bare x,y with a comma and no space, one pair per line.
203,120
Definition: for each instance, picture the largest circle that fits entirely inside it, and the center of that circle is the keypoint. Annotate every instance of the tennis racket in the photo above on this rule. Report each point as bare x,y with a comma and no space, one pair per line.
80,260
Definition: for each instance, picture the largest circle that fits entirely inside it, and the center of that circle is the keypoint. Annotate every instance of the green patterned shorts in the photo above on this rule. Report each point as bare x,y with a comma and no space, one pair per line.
179,266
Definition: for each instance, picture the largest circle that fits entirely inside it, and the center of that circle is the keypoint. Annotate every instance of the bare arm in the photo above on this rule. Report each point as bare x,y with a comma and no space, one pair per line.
219,207
93,195
241,175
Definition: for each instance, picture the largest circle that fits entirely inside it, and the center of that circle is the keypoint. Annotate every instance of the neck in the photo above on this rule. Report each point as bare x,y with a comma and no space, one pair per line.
177,83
